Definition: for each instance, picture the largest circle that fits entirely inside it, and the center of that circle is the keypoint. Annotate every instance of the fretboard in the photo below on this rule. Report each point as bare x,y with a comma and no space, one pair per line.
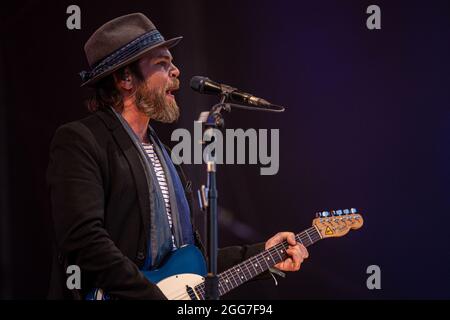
250,268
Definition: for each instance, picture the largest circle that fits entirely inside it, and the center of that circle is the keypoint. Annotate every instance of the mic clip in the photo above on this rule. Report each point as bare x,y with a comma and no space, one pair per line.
203,198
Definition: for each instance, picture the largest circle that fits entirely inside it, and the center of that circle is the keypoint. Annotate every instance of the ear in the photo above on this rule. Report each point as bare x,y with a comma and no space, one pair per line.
124,81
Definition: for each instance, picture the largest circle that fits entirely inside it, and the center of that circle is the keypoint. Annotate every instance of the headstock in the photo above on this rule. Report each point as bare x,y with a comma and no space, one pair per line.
337,223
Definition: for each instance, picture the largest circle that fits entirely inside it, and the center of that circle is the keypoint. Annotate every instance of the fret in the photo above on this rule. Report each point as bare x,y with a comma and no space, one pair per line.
309,237
266,259
256,272
271,257
315,234
242,273
258,264
239,274
226,280
272,251
306,242
233,277
260,258
246,265
199,293
299,239
234,282
278,251
285,246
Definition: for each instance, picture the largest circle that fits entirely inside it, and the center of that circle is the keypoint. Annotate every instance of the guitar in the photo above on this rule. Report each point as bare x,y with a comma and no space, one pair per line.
181,276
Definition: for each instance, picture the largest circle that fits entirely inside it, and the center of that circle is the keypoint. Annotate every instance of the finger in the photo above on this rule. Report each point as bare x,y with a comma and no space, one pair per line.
289,264
288,236
274,240
291,238
296,256
304,251
279,237
282,265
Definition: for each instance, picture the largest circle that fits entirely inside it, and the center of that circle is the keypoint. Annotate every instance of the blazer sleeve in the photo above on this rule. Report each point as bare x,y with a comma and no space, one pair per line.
77,197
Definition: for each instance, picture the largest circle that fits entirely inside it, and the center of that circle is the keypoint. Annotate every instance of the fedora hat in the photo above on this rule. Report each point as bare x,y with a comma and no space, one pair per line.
118,43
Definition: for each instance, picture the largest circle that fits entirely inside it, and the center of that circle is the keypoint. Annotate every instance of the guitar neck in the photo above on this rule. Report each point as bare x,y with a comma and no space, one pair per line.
250,268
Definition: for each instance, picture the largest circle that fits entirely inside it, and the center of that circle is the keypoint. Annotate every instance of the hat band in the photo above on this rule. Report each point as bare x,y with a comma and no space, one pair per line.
144,41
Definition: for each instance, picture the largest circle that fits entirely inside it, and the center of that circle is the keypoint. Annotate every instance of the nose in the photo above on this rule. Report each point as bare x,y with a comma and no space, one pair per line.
174,71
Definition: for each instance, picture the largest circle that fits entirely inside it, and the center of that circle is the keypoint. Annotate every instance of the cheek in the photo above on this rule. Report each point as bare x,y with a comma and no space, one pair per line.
158,80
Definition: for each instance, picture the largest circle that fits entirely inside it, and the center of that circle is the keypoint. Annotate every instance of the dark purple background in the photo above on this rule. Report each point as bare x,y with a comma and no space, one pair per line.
366,126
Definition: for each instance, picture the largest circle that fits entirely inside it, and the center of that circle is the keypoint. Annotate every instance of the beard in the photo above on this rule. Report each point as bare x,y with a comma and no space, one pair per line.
155,104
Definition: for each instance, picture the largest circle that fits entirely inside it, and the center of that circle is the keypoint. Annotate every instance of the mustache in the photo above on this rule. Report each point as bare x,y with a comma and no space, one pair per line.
175,85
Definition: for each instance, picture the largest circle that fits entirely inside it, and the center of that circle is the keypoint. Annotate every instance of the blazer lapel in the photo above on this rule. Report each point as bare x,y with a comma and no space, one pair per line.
136,166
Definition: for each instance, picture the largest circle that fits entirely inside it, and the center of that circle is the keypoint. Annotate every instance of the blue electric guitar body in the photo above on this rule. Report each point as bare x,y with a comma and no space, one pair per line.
187,260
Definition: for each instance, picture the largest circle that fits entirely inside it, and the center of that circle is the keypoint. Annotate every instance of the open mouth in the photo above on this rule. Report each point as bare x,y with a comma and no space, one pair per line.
170,92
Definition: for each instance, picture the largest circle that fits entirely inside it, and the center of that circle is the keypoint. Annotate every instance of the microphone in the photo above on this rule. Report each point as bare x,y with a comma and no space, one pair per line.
207,86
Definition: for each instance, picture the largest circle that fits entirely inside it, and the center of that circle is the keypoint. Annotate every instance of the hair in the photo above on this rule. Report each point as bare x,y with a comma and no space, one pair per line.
107,94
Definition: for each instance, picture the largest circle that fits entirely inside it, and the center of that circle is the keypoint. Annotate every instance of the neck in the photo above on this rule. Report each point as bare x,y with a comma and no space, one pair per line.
137,120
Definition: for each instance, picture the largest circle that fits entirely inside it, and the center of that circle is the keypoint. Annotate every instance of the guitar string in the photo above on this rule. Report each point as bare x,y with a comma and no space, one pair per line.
234,272
304,236
259,258
238,280
269,252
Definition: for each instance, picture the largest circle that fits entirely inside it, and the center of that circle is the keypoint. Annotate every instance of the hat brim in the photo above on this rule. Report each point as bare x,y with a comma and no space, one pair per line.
168,43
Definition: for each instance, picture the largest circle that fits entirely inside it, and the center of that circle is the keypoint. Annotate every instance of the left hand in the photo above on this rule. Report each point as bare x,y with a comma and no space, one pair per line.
296,252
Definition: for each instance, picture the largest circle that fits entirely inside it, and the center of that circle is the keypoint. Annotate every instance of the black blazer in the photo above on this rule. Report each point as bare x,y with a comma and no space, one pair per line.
101,211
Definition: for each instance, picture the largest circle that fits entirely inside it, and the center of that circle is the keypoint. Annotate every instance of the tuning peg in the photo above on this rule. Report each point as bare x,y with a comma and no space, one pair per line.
353,210
346,211
324,214
336,213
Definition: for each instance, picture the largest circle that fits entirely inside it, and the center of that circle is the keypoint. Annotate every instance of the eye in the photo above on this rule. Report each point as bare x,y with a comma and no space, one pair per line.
163,63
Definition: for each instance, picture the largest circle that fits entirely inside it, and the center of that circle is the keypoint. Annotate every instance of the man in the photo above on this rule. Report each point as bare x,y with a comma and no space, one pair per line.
119,204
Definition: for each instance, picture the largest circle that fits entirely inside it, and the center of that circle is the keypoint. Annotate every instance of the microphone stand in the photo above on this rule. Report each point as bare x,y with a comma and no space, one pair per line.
209,202
208,195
